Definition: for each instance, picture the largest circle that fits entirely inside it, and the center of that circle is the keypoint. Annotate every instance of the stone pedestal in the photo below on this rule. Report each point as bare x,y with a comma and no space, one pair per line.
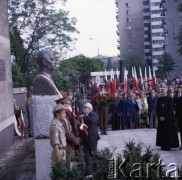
42,116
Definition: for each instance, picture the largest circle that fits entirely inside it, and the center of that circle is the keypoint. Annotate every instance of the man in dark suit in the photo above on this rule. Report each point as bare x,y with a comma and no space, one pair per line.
152,102
179,112
89,137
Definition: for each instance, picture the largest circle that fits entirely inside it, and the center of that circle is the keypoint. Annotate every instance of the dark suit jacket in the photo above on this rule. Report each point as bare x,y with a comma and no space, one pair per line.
90,141
152,102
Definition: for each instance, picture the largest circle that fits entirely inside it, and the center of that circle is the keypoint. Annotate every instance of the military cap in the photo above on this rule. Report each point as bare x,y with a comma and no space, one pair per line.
69,93
58,107
63,101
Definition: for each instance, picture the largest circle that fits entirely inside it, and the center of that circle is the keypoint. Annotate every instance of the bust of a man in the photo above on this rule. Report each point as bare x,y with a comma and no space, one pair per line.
42,82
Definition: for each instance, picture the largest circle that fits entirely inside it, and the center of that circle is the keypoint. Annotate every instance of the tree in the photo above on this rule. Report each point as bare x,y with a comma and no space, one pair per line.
68,74
166,64
133,60
109,65
35,25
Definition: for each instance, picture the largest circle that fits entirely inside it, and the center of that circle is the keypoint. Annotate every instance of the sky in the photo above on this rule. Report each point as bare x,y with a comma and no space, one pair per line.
96,19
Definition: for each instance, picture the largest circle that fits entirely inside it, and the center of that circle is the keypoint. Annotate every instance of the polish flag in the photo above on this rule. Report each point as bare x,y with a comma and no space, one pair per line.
141,77
146,79
126,82
136,80
154,81
150,77
106,82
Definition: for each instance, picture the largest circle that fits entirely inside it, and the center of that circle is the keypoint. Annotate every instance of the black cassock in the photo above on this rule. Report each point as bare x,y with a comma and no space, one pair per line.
166,132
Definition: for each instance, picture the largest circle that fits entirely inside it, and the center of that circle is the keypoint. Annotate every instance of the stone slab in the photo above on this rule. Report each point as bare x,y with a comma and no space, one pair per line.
41,108
43,159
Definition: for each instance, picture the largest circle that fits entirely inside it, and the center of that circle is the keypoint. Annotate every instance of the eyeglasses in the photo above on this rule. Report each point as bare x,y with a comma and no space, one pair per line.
85,107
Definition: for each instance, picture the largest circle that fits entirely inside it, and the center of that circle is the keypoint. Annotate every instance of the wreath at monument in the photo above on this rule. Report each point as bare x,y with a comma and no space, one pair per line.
103,99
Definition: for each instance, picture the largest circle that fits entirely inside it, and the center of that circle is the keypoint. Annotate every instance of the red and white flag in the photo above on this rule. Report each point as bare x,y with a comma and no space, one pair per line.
126,82
136,80
146,79
141,77
150,77
154,81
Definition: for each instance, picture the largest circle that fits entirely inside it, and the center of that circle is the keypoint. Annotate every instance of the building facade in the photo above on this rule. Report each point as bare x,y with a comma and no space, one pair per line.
161,22
130,27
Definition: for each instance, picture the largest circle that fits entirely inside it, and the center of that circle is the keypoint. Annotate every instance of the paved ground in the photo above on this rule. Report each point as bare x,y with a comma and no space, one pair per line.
19,162
23,166
146,136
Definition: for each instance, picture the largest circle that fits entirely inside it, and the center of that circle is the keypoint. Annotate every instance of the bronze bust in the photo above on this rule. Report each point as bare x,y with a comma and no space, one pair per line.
42,82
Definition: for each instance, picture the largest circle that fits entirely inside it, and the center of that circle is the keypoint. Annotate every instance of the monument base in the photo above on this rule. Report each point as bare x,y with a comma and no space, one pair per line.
43,152
41,107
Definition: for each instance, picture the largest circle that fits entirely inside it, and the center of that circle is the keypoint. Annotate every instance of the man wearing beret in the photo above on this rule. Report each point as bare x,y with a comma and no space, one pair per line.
57,135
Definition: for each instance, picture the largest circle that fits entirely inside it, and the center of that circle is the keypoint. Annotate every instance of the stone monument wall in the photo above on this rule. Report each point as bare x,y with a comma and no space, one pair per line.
6,95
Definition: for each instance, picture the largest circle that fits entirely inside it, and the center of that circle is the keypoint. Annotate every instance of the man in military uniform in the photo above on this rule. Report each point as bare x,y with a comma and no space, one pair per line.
57,134
71,140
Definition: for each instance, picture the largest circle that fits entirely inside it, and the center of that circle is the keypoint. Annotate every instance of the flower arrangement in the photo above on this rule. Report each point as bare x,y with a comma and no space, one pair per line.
103,99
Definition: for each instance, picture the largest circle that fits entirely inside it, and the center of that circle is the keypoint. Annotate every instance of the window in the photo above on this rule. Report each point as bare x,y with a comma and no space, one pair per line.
129,35
158,41
128,20
156,34
156,19
155,11
146,43
157,49
147,50
155,4
156,27
145,28
128,27
147,21
127,5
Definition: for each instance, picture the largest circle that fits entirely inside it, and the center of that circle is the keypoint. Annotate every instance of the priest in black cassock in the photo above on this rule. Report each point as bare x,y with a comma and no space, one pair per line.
166,132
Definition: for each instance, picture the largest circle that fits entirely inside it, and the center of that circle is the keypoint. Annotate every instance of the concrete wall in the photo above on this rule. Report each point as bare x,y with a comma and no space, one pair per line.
6,95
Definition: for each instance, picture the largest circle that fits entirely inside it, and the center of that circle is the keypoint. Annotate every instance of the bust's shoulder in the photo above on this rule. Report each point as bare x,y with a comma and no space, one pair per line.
42,86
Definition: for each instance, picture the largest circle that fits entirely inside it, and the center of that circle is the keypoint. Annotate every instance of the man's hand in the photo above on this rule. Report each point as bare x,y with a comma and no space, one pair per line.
162,118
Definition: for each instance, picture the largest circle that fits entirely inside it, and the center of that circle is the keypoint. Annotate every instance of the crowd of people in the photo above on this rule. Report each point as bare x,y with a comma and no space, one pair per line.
159,108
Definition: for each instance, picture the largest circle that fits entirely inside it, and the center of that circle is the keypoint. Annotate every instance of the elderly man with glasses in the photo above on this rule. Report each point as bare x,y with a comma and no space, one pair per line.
89,138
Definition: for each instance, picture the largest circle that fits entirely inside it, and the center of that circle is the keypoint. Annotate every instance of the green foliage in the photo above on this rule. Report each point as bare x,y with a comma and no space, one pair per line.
68,74
36,25
100,166
22,79
59,171
133,152
109,65
166,64
133,60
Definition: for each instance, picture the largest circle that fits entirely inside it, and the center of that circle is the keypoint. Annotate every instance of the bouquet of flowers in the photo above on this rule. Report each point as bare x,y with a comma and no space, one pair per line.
103,99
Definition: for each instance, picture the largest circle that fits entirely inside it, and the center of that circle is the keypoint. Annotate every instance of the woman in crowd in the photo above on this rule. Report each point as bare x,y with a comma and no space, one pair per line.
132,111
143,110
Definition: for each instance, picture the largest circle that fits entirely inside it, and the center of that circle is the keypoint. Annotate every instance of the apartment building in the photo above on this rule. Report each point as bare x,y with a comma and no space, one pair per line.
152,25
130,27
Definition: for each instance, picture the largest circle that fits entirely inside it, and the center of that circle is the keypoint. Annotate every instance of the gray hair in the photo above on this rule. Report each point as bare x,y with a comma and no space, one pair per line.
89,106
